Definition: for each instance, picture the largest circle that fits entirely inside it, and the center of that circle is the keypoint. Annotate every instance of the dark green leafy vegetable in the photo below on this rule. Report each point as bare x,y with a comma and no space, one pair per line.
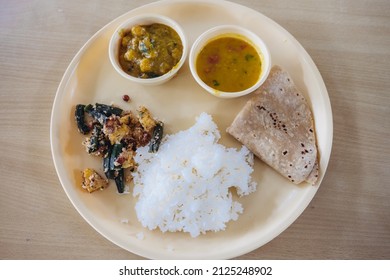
98,116
109,160
156,137
80,119
100,112
116,169
97,140
249,57
108,110
119,181
116,150
110,174
111,170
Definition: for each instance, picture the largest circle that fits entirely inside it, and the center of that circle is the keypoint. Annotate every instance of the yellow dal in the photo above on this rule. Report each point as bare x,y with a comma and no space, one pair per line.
229,64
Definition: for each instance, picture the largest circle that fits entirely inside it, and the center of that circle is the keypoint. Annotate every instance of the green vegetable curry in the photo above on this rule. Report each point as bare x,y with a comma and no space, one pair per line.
149,51
229,64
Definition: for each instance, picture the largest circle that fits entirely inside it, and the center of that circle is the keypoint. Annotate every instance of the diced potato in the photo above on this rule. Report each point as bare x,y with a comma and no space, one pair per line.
92,181
176,53
153,54
145,65
130,55
126,40
164,67
138,30
134,43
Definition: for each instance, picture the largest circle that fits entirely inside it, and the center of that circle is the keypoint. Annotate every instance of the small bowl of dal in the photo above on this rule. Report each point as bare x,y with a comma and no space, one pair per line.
229,61
148,49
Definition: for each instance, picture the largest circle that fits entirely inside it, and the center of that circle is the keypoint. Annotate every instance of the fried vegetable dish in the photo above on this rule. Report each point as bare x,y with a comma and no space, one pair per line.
114,135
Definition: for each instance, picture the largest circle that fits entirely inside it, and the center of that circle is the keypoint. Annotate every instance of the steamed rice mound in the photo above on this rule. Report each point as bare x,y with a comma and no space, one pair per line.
186,185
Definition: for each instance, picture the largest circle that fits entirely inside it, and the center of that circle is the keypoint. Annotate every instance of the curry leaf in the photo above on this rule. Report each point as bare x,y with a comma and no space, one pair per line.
248,57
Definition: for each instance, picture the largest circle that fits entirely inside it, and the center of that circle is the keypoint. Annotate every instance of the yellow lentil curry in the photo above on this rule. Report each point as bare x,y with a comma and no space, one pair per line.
229,64
149,51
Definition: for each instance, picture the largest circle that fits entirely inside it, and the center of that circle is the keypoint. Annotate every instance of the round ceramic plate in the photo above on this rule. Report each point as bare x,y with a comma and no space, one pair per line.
90,78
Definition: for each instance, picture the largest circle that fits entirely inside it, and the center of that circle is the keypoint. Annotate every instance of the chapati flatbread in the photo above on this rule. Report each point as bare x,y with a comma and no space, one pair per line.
277,126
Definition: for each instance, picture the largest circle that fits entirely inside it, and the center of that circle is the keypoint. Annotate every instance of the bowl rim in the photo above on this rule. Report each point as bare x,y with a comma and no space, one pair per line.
230,30
147,18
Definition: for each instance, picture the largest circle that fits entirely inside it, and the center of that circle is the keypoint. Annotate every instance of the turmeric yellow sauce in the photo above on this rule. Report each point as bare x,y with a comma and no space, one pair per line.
229,64
149,51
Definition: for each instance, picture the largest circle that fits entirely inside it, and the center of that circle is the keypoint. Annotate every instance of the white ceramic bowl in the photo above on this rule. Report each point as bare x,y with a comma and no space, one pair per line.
146,19
231,31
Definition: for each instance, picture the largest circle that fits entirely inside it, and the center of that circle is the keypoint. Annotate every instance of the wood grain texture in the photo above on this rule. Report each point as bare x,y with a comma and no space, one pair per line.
349,218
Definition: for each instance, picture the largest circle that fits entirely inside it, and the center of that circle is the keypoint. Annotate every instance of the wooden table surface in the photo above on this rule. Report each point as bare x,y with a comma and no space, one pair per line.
349,218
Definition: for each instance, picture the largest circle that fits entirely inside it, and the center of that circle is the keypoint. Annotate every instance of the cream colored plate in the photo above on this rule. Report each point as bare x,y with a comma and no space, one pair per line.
90,78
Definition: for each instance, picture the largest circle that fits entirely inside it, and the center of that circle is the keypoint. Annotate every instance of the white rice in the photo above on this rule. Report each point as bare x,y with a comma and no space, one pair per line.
185,185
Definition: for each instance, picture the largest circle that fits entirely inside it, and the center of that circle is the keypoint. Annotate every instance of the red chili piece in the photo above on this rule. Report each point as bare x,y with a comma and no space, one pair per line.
126,98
